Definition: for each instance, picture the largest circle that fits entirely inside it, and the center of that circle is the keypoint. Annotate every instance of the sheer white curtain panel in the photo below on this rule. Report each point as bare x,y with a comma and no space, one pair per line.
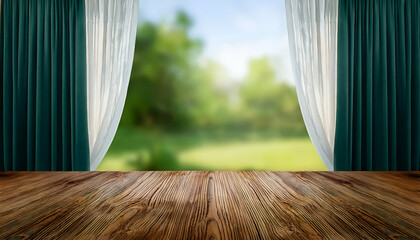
110,35
312,30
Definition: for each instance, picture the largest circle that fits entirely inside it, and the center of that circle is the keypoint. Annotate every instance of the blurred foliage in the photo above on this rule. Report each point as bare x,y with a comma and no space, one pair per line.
168,87
267,102
173,87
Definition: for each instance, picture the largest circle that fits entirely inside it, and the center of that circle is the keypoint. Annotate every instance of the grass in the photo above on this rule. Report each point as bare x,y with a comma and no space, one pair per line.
136,149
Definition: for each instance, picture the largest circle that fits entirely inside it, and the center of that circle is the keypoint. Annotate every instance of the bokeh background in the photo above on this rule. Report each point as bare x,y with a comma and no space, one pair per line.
211,89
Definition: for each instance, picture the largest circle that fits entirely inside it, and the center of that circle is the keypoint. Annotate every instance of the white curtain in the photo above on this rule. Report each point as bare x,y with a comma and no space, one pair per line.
312,30
110,34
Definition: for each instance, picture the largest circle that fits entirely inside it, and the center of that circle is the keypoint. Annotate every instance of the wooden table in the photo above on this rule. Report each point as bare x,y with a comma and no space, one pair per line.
210,205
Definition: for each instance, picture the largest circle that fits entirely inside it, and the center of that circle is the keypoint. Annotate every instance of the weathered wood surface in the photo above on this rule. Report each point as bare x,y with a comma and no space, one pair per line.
210,205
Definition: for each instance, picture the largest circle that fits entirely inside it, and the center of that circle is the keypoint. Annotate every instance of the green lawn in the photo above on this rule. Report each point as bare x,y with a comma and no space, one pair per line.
135,149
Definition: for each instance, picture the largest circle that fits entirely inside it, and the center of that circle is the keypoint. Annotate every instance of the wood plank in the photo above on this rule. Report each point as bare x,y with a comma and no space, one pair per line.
210,205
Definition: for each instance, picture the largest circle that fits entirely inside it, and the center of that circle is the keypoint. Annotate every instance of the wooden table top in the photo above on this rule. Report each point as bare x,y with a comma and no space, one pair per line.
210,205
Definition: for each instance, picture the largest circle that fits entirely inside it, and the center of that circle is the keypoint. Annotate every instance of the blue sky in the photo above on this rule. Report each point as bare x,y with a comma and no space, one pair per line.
233,31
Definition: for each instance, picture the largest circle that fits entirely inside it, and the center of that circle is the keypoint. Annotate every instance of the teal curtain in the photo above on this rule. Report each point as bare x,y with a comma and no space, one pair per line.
43,102
378,85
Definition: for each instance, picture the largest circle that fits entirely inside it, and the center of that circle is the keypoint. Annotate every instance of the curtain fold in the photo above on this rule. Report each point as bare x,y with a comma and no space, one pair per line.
43,121
378,91
312,30
111,31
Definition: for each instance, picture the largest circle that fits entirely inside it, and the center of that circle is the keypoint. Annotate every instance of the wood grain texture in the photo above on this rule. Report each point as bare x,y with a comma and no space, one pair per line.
210,205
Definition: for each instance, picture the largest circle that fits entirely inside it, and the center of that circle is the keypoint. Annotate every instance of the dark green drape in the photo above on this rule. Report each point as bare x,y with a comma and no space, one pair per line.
378,85
43,121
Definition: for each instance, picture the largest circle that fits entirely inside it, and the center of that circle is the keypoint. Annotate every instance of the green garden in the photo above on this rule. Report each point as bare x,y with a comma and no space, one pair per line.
184,112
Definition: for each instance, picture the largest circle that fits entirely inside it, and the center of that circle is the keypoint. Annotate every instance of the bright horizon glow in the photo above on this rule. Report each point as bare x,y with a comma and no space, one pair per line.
233,32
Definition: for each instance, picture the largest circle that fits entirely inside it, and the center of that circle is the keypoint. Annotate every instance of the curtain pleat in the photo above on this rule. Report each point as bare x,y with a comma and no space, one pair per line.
378,85
43,97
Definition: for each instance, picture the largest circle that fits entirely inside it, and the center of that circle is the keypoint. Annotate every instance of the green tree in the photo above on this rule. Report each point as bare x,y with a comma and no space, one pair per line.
163,75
